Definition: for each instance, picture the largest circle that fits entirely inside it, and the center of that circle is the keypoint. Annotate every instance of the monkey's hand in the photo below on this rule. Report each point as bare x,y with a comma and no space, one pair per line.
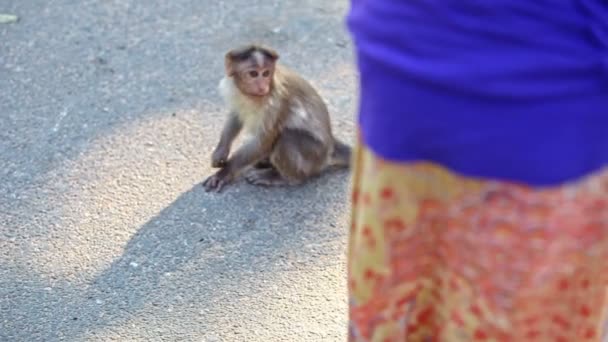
218,180
219,157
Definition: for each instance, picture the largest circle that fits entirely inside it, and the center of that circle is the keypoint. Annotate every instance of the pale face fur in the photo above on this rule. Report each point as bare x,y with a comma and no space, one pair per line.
249,110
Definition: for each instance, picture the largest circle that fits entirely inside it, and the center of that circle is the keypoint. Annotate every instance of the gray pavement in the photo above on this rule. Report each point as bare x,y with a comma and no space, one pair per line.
108,116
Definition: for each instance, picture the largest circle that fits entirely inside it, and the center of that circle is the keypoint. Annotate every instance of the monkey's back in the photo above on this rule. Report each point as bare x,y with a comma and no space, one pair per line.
306,109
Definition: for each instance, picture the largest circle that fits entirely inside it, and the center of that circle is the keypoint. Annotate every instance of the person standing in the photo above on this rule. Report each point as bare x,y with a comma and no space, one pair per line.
480,186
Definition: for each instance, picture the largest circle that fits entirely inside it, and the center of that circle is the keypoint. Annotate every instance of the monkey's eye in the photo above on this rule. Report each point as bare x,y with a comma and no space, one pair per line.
266,73
253,73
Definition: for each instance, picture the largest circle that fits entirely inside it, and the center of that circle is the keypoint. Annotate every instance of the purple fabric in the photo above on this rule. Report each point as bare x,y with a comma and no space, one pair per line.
512,90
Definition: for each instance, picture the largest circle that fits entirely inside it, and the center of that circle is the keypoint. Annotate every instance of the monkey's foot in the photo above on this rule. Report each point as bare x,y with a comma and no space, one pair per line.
266,177
217,181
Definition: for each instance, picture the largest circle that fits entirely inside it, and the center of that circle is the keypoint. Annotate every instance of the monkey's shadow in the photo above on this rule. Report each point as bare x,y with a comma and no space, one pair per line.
205,244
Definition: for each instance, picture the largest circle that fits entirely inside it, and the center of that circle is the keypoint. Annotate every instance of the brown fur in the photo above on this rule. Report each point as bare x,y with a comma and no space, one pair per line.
291,137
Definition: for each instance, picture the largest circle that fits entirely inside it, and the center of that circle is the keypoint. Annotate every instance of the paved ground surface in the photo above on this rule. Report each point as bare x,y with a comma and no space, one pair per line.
108,115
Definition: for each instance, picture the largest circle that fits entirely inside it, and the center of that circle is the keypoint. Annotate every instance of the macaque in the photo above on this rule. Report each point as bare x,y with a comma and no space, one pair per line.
288,123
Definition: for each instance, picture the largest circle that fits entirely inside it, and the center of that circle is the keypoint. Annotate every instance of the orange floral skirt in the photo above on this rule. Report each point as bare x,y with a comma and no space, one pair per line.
435,256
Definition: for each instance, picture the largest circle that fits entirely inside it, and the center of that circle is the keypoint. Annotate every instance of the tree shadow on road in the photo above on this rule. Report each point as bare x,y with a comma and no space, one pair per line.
201,247
194,251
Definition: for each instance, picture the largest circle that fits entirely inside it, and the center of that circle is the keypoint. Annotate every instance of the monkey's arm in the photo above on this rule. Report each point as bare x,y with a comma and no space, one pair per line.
261,145
253,151
231,129
248,154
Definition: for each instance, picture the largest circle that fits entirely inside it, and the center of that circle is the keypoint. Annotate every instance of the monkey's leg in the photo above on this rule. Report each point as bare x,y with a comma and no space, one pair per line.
296,157
263,164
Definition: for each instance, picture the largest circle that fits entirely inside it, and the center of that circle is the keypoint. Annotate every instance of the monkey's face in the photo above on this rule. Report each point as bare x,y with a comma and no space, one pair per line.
256,81
253,69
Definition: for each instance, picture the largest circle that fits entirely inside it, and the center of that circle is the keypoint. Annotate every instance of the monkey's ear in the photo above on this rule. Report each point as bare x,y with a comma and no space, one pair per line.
235,56
270,53
229,65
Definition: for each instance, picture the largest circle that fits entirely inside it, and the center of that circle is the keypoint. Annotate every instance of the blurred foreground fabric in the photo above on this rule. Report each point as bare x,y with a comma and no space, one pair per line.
434,256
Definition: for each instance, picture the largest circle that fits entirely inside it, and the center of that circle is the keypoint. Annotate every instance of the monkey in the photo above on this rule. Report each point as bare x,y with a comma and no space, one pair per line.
290,134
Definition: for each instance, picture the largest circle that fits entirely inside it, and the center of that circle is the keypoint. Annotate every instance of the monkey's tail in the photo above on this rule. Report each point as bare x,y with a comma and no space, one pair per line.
341,156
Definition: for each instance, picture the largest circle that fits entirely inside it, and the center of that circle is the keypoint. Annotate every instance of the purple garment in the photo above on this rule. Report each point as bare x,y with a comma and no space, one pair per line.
511,90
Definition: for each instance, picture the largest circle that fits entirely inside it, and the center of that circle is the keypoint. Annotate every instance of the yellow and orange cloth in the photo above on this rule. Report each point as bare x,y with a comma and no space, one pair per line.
435,256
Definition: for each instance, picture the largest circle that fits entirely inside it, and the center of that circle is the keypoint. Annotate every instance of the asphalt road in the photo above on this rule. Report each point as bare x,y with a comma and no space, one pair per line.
108,116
